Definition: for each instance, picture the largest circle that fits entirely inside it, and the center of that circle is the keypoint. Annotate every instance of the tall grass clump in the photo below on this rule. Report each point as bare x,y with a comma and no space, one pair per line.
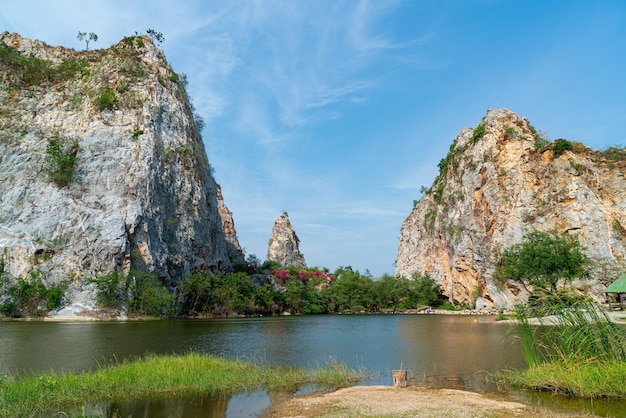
577,333
577,351
156,377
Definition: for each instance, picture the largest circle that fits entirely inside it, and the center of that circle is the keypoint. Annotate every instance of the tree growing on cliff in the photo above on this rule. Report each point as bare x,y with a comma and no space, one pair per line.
543,259
87,37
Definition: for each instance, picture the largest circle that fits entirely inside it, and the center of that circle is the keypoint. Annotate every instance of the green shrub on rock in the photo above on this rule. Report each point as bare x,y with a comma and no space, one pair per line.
60,160
29,296
560,146
106,101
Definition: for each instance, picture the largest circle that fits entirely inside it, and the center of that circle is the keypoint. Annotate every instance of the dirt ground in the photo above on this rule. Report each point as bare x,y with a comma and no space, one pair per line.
392,402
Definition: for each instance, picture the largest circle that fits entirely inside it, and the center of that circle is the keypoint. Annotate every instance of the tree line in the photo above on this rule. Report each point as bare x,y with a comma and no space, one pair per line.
266,290
540,263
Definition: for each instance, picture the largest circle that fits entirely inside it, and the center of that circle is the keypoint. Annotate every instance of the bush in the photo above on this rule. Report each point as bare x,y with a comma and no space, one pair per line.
148,296
438,193
197,293
25,71
111,290
614,153
174,78
60,160
28,71
425,290
478,133
106,101
560,146
510,132
31,297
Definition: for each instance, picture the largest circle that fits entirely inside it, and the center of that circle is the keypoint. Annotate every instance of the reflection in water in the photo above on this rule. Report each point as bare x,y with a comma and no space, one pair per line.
209,407
463,353
438,350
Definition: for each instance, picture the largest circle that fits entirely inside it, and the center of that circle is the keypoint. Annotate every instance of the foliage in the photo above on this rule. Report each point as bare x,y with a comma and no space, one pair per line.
198,120
27,71
425,290
438,192
295,290
155,36
303,297
591,379
174,78
107,100
158,377
544,258
197,292
540,139
581,333
543,302
350,291
235,294
83,36
510,132
560,146
148,296
29,296
429,218
134,41
112,290
478,133
443,163
614,153
61,157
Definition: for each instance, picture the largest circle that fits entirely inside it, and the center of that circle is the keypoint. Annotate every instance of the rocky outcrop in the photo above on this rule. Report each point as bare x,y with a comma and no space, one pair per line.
283,247
500,181
235,252
139,194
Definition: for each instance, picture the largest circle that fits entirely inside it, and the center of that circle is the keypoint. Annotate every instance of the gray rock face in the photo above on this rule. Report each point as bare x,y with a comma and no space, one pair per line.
284,244
497,188
235,252
141,195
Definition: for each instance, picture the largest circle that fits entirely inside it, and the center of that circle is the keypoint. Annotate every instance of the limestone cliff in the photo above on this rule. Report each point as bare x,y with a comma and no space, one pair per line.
102,167
500,181
283,246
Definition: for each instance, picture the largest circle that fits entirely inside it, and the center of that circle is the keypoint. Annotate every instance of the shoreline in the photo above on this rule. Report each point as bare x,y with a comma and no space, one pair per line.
97,315
410,401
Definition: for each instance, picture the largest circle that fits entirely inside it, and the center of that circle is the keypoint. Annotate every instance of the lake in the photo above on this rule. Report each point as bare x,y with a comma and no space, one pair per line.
451,351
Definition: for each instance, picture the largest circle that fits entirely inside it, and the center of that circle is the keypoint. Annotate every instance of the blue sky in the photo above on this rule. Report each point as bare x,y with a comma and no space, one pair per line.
338,111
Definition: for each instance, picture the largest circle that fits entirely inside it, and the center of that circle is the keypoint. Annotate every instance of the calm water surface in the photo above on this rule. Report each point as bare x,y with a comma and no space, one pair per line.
438,350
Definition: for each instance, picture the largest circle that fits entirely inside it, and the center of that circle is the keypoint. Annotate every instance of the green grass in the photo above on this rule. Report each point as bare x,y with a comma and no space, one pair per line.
582,354
157,377
594,379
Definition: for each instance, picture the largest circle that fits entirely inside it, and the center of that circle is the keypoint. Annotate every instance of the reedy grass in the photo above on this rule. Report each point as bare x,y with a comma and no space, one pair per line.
581,352
159,377
578,332
586,380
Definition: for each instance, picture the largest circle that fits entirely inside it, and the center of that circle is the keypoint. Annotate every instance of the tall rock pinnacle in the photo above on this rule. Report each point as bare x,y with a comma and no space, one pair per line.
284,244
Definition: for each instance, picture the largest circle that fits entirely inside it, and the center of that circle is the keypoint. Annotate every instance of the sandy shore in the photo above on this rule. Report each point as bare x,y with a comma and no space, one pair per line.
392,402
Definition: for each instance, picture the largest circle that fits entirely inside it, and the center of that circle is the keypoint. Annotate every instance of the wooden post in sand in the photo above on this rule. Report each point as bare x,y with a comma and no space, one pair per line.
399,378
